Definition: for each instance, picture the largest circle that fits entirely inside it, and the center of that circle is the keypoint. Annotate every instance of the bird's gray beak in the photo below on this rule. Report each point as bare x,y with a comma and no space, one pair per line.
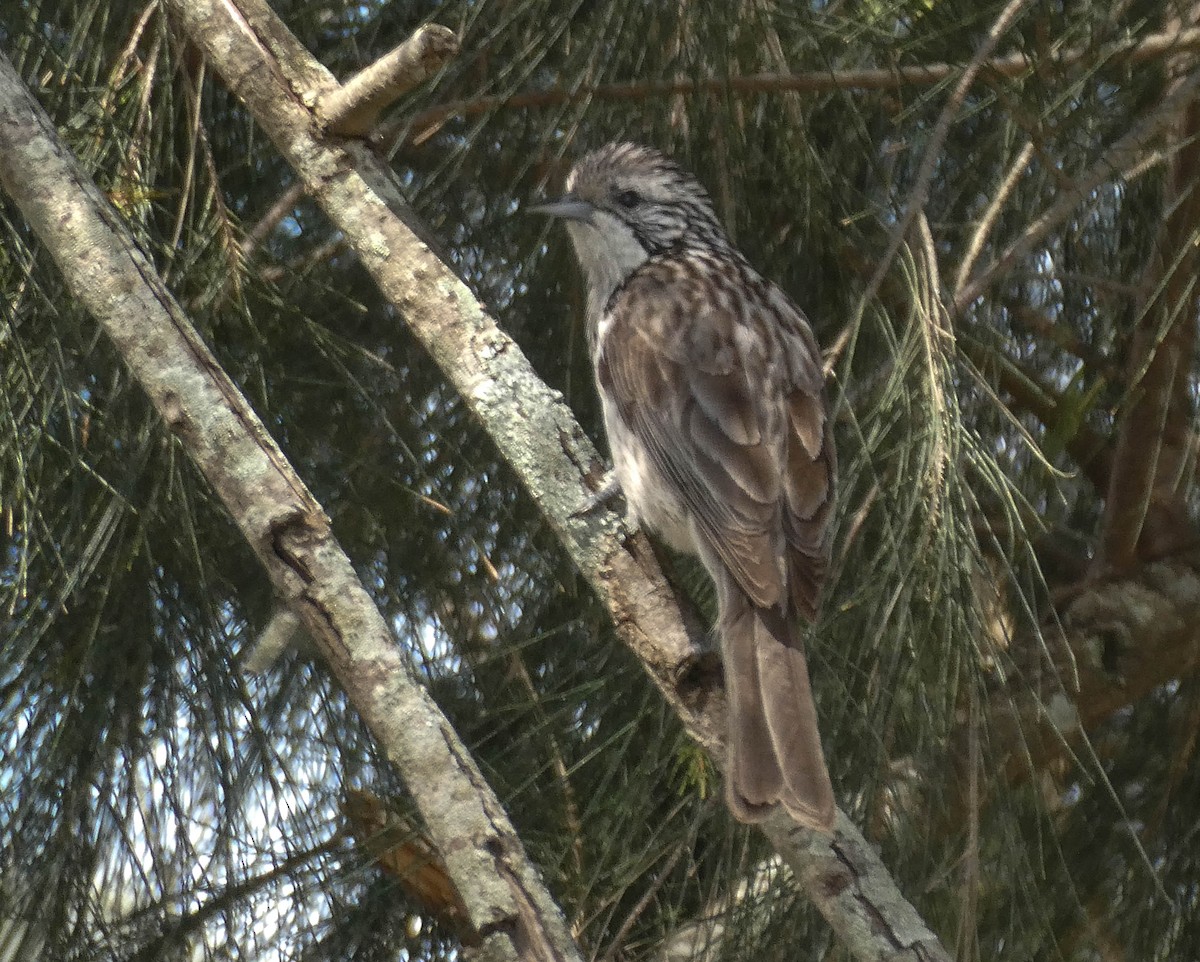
568,207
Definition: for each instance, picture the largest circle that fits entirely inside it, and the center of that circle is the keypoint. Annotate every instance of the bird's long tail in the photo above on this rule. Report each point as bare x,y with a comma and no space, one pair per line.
774,745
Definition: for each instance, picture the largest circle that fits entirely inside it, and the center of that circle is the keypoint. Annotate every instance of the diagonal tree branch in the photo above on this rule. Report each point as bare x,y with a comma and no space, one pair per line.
535,432
281,521
983,228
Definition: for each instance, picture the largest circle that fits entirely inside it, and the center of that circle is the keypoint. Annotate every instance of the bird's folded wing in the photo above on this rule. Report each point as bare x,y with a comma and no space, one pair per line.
721,415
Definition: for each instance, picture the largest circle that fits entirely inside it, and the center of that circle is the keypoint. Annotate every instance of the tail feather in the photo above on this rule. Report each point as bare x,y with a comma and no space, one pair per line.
754,779
774,744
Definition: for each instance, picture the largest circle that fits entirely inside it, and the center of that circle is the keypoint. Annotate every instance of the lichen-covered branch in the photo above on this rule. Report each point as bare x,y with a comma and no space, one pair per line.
282,522
1113,642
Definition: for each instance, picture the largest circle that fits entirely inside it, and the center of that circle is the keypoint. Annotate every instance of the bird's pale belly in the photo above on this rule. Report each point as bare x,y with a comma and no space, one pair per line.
650,497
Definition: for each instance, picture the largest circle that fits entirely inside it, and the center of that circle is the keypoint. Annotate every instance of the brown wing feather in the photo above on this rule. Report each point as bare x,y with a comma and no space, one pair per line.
753,468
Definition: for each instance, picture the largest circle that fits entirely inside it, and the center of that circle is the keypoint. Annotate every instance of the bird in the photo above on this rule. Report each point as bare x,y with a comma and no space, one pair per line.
713,398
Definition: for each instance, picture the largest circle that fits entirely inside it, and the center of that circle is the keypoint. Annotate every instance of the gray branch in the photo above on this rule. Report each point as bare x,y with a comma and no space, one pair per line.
352,109
283,523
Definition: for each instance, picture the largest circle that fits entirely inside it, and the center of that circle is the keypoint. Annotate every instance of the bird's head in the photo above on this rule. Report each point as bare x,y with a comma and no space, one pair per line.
624,204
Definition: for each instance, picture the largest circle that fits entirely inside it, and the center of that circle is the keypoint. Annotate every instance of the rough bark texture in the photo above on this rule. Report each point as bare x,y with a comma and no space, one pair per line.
852,889
284,525
535,432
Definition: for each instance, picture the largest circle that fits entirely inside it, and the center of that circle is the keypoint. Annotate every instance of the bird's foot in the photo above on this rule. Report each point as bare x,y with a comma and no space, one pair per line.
602,497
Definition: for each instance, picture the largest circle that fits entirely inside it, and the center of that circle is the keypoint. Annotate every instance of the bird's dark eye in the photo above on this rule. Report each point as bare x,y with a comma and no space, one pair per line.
628,199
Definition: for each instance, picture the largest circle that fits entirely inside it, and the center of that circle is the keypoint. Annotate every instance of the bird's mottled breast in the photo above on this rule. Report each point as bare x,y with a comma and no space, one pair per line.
650,498
643,319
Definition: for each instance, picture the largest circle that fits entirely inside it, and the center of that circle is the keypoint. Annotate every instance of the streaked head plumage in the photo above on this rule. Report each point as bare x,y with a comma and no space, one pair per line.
645,189
626,203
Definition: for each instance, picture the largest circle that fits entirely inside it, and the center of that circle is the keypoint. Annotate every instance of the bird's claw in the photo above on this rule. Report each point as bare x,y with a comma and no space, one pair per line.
602,497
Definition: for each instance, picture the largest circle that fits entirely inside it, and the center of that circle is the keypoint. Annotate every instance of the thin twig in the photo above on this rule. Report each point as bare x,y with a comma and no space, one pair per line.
1058,332
618,941
116,76
299,265
270,220
193,84
817,81
992,214
968,933
920,189
1114,164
